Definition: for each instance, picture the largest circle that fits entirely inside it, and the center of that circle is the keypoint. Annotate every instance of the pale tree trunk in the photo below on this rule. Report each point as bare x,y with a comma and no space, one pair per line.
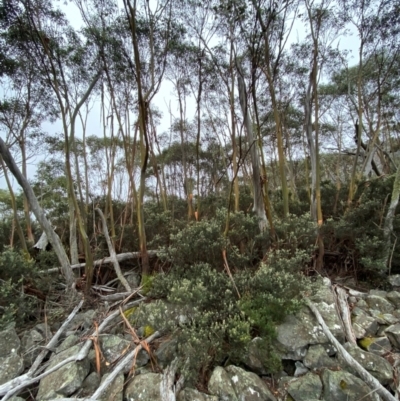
39,213
312,150
15,211
352,187
144,148
388,225
263,176
158,169
73,238
258,206
269,74
182,129
29,232
234,146
144,96
316,209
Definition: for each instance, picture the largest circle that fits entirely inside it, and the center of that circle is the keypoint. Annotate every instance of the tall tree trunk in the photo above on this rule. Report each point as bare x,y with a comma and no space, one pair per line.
388,225
316,210
15,211
28,223
40,215
352,186
144,146
258,206
263,176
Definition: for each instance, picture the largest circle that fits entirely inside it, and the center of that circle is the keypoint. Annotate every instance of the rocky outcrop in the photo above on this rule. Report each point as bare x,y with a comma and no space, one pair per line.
312,368
11,362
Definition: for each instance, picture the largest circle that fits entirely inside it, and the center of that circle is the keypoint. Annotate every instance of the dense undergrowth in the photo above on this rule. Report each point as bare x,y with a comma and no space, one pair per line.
269,272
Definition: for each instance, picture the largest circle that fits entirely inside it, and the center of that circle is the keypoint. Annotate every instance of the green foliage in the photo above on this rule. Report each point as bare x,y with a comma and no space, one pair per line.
295,233
16,273
204,241
217,325
357,235
146,283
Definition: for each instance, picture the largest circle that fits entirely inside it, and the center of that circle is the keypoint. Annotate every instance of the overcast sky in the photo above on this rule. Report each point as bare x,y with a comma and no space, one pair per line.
164,100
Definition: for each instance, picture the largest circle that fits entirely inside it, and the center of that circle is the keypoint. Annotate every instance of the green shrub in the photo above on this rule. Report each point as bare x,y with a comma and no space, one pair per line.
219,325
204,241
16,272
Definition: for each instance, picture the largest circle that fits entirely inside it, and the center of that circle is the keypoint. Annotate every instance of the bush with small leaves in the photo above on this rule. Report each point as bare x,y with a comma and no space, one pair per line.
17,276
212,323
204,241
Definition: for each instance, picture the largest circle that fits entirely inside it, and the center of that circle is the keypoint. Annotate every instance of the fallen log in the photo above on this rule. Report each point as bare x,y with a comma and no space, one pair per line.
362,373
113,254
126,361
121,258
345,315
14,386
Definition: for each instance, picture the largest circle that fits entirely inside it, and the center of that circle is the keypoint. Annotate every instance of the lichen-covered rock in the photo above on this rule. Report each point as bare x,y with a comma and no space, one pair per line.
394,298
115,390
90,384
81,322
248,386
11,363
113,347
144,387
69,342
166,352
379,367
364,326
66,380
317,357
394,280
300,369
379,303
393,334
10,367
220,385
9,342
301,330
190,394
305,388
343,386
32,342
376,345
379,293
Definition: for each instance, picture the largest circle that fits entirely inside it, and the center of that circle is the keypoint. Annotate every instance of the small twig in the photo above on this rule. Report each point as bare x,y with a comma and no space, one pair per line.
6,387
21,382
121,365
228,270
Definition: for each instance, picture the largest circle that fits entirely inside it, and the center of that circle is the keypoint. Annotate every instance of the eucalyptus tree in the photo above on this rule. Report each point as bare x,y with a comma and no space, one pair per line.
377,25
229,17
63,61
25,102
275,21
178,72
152,32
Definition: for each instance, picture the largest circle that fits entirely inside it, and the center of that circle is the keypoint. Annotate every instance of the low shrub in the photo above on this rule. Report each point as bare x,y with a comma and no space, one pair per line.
17,275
